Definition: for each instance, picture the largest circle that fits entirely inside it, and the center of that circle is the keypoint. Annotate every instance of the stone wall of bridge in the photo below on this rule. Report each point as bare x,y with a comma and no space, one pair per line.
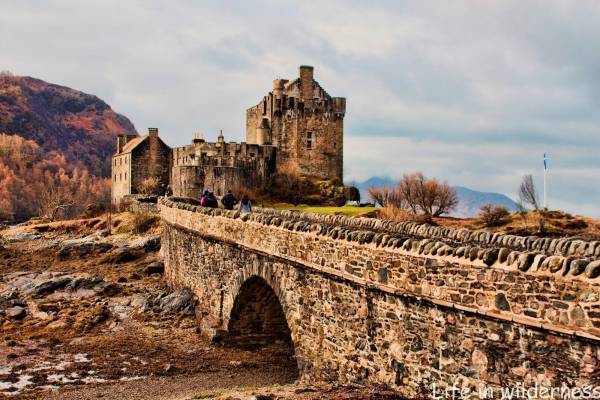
367,304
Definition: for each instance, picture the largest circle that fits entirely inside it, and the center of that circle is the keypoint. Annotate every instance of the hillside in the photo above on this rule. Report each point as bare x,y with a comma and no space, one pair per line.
78,125
469,200
55,148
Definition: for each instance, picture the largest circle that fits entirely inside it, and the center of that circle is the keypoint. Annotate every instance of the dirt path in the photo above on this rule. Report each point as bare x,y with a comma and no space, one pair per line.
171,388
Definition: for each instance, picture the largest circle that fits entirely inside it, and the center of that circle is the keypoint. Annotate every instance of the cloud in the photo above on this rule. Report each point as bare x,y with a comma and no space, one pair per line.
470,92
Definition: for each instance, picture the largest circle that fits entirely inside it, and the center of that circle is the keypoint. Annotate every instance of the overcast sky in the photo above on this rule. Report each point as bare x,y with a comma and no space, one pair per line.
473,92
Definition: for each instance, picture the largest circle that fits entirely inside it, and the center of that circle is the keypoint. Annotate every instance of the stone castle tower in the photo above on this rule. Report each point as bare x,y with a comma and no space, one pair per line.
304,122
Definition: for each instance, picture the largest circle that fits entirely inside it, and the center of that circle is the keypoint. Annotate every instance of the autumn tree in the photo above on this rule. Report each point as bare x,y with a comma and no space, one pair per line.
34,182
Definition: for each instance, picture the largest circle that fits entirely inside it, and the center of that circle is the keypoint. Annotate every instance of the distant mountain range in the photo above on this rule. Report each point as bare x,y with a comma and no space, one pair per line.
469,200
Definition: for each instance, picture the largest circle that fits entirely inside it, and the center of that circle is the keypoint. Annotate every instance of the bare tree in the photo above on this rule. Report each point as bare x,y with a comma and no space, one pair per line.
528,197
54,200
427,196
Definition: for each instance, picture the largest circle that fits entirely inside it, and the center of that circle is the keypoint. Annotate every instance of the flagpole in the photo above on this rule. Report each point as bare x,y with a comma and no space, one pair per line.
545,183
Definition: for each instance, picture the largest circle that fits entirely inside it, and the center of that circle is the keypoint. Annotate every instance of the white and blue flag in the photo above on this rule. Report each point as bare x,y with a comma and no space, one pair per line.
545,162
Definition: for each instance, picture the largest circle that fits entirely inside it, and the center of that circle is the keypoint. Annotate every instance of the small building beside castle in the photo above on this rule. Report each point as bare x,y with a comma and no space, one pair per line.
295,128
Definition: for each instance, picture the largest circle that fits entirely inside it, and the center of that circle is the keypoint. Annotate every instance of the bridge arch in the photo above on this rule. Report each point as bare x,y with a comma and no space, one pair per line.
256,314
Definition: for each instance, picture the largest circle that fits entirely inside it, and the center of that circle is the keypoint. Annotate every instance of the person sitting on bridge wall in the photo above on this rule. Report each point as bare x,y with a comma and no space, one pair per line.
229,201
245,204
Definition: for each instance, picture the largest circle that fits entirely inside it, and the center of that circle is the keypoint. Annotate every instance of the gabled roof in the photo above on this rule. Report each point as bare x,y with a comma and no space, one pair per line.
132,144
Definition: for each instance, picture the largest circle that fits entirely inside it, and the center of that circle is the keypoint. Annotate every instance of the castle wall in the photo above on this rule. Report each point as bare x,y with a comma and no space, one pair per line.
221,166
373,306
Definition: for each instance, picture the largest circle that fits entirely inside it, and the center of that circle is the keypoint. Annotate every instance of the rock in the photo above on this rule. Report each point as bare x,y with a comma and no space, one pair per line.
593,269
21,237
588,296
503,255
50,286
490,256
148,243
16,312
479,361
124,255
577,267
105,288
502,303
154,268
577,316
176,301
525,260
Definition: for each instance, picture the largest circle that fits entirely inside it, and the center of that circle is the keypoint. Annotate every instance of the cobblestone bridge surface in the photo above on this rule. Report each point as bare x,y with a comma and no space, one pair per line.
401,304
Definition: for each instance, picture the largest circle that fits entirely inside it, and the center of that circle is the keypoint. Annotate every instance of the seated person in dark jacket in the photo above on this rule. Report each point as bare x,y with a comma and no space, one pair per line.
211,201
229,200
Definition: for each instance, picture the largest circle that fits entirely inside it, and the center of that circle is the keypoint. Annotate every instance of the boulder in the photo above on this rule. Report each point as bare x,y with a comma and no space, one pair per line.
16,312
176,301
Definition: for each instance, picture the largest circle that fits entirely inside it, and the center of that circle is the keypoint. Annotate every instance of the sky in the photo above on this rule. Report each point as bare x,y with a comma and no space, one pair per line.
472,92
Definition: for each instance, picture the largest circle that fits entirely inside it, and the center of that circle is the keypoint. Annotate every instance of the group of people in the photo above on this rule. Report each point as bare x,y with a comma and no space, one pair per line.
229,201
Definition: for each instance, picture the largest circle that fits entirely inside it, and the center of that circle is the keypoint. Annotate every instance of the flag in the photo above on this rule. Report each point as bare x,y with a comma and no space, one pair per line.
545,162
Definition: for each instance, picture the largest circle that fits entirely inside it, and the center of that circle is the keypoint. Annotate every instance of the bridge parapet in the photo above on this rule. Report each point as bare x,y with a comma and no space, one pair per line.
557,293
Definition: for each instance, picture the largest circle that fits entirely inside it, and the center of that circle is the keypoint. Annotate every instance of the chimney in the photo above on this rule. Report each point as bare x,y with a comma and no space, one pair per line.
306,82
153,132
121,141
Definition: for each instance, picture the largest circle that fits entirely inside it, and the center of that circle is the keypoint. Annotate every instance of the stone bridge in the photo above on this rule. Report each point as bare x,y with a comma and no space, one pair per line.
399,304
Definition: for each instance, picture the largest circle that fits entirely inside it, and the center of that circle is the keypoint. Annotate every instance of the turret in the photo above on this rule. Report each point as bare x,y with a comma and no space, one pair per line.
339,105
263,133
278,86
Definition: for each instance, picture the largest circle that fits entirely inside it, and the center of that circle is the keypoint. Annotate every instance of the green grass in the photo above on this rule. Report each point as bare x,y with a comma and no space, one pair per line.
350,211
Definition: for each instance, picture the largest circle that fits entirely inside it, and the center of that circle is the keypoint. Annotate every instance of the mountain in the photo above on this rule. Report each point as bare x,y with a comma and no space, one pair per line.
80,126
469,200
55,148
374,181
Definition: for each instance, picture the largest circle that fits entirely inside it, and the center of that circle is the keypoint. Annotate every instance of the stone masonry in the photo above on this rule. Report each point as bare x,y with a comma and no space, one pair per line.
401,304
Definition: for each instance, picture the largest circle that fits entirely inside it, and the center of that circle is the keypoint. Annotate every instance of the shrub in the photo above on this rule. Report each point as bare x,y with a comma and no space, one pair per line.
493,215
93,210
143,222
150,186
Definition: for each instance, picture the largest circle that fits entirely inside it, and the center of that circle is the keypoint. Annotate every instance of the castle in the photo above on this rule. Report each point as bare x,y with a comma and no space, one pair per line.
297,127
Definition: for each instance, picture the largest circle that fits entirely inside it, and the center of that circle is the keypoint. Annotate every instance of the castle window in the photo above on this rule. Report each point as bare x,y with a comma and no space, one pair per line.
120,177
125,175
309,140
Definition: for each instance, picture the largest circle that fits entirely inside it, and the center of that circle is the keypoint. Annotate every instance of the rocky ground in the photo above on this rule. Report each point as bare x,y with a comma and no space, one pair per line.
85,314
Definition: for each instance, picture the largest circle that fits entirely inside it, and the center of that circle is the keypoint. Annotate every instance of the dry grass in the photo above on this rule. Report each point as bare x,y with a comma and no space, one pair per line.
558,224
